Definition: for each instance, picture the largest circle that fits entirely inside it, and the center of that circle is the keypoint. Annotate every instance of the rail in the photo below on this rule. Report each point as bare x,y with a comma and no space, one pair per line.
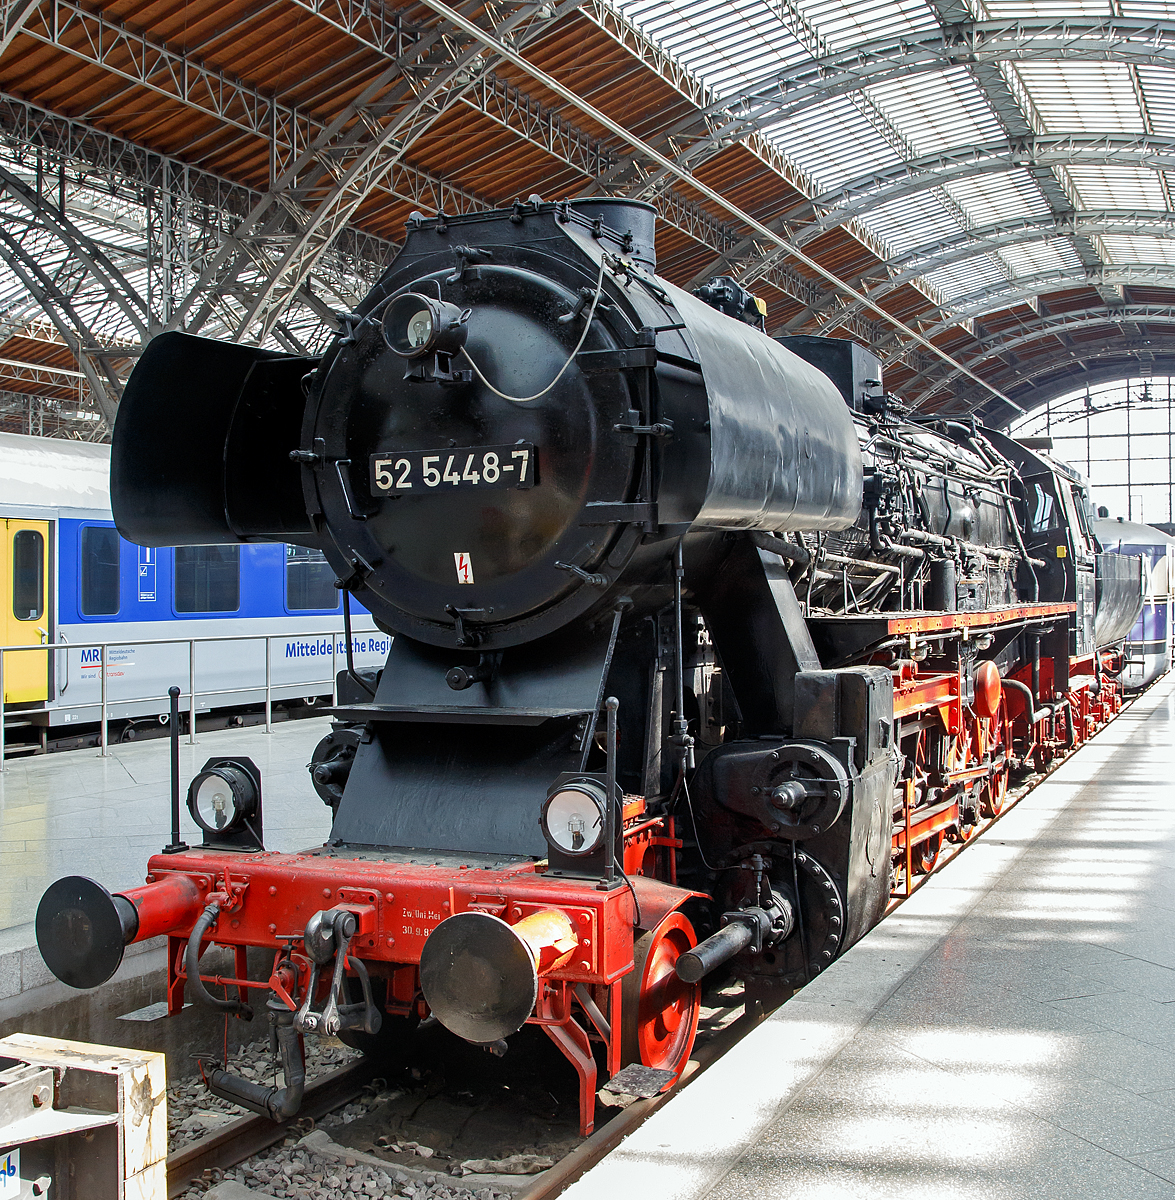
193,694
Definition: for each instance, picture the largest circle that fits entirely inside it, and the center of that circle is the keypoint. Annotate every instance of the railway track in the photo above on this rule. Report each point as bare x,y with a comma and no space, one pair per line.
721,1029
250,1135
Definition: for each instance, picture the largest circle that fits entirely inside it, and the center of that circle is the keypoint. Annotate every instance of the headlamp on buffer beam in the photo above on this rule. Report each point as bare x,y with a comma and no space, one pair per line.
574,822
225,801
416,325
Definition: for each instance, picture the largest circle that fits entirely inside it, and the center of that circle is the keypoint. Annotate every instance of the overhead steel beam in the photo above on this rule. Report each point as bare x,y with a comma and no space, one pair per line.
85,250
512,109
105,387
1053,325
224,98
1030,396
1035,39
14,14
989,239
985,300
347,161
195,209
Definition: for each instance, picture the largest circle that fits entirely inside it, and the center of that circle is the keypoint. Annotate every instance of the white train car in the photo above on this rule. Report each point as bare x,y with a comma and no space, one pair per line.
72,584
1148,646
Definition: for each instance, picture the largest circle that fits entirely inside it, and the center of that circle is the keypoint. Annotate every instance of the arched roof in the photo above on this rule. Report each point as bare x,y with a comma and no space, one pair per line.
980,189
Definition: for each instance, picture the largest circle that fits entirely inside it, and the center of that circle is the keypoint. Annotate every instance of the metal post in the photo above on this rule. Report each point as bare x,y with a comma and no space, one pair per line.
191,692
102,668
268,699
610,705
175,846
334,669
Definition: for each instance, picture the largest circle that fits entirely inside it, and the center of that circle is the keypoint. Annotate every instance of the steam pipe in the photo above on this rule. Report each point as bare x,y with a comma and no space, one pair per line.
192,966
884,545
781,546
278,1104
1033,713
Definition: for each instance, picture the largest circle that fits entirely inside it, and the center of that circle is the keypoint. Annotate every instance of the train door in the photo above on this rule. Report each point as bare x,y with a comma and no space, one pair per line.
24,567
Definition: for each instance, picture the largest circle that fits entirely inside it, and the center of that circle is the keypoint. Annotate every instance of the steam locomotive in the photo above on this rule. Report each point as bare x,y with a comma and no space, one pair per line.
702,648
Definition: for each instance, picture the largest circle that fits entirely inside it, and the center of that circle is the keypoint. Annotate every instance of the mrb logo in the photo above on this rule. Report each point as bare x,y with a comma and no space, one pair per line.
92,658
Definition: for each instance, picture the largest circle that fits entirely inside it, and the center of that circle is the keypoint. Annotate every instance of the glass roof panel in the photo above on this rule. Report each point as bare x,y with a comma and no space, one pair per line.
834,143
1158,89
1116,187
1035,258
843,23
1002,9
1147,9
995,199
912,221
1076,97
727,45
961,279
937,111
1139,249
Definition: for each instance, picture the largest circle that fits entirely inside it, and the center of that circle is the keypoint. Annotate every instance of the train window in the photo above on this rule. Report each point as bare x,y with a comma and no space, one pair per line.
207,579
1044,509
1079,502
100,590
310,580
28,575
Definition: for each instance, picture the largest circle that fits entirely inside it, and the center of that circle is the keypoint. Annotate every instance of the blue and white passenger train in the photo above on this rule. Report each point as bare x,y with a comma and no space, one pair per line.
1148,645
72,583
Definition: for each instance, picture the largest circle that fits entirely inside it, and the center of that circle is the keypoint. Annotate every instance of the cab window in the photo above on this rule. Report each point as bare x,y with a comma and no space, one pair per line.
1042,509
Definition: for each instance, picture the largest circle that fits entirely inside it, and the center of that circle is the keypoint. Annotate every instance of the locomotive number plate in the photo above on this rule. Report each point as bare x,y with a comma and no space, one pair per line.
416,471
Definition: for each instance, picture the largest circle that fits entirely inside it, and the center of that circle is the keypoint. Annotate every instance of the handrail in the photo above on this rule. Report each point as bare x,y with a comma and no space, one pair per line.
103,646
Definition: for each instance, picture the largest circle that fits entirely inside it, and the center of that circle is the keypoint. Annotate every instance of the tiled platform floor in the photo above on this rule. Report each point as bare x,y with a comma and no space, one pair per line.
1007,1034
79,814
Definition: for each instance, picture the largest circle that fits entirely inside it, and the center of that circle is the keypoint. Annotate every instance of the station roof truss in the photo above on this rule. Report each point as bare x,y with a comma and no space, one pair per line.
978,189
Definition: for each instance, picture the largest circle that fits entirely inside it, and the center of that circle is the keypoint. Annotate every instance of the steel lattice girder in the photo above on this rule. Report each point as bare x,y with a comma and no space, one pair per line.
13,16
73,330
146,63
1053,325
637,144
1075,364
877,188
991,239
1139,42
1026,287
512,109
350,157
175,203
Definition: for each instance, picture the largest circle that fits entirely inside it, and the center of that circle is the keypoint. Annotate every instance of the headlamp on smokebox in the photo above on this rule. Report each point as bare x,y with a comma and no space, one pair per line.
225,801
574,820
428,333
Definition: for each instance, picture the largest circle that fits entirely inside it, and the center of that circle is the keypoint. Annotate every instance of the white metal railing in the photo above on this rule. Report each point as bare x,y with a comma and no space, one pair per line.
191,643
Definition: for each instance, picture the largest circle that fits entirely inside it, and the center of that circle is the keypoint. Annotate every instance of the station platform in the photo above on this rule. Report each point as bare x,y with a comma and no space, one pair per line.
1008,1032
76,813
